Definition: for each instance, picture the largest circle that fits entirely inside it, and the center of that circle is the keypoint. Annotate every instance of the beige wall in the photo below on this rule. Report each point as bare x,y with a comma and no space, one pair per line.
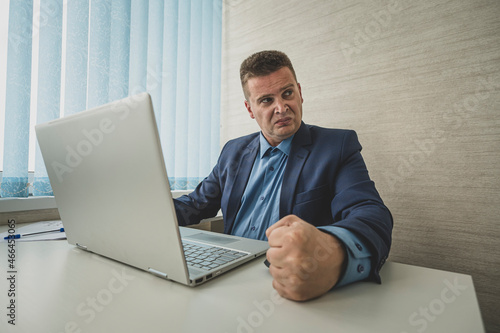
420,83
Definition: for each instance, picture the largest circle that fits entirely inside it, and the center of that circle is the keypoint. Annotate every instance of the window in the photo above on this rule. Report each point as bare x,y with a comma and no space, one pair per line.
60,57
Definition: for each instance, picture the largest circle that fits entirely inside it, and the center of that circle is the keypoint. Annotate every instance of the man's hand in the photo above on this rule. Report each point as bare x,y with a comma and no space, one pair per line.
305,261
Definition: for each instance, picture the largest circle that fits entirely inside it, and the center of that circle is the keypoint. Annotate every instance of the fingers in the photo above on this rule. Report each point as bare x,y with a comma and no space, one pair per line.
283,282
275,257
305,262
291,286
286,221
273,227
277,233
285,239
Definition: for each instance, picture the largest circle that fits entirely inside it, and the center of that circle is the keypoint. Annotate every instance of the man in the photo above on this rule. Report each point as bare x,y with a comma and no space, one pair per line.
303,188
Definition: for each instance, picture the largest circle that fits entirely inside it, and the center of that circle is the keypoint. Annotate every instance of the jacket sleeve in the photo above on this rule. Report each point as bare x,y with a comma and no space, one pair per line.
204,202
357,206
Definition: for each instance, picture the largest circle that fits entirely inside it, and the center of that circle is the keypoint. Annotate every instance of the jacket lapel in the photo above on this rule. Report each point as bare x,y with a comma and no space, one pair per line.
240,183
296,161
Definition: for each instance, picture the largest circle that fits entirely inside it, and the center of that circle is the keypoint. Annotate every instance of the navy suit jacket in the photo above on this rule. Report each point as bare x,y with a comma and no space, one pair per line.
325,183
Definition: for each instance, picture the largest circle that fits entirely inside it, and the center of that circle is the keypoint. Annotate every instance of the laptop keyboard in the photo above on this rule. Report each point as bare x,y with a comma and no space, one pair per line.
209,257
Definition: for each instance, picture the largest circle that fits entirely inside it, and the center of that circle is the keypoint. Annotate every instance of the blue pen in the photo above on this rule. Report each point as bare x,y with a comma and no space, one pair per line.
16,236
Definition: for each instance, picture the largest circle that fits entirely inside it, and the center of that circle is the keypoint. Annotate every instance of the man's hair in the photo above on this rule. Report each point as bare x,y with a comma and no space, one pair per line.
263,63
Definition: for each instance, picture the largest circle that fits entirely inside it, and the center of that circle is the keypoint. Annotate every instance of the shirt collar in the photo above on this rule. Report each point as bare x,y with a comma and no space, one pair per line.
284,146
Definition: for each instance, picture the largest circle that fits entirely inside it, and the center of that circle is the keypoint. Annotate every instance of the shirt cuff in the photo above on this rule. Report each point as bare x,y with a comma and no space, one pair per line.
358,257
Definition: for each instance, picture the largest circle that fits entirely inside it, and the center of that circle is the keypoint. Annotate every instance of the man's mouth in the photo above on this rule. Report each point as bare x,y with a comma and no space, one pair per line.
284,121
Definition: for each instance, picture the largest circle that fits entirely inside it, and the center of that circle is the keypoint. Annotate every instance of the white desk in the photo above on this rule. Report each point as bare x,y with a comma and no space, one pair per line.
63,289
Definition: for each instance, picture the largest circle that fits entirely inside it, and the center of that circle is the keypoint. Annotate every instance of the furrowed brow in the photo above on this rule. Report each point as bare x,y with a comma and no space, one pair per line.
271,95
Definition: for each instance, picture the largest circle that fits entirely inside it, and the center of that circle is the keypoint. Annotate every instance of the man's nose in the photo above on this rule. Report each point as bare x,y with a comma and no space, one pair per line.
280,106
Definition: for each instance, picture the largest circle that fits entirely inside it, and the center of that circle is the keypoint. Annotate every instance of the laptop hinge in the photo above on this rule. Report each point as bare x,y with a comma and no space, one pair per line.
83,247
157,273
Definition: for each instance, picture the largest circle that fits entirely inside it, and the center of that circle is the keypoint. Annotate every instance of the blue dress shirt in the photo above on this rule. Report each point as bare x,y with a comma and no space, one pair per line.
260,209
261,199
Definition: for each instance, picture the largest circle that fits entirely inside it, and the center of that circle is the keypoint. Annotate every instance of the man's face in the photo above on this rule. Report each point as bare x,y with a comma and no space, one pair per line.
275,102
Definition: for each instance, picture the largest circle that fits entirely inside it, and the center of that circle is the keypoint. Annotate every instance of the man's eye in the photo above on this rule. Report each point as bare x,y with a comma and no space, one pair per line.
266,100
288,93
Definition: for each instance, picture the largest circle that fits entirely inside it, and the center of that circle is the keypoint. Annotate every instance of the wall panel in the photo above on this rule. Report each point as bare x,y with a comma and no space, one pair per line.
420,83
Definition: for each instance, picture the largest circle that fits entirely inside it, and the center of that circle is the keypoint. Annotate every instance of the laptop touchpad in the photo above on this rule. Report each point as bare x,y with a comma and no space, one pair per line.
212,238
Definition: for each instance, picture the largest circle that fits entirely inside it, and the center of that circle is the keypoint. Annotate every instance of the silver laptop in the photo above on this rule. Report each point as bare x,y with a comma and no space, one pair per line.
110,184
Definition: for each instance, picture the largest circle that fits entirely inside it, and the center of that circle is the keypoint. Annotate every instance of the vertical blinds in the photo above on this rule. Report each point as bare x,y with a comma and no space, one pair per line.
67,56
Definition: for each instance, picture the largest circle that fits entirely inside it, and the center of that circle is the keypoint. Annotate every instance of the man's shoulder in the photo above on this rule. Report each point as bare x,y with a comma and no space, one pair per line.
242,142
318,132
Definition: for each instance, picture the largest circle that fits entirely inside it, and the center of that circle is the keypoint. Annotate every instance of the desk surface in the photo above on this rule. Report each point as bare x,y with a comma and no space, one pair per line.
60,288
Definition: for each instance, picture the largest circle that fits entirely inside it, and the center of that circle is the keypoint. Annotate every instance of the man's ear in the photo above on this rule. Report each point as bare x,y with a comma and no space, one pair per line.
300,92
249,109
